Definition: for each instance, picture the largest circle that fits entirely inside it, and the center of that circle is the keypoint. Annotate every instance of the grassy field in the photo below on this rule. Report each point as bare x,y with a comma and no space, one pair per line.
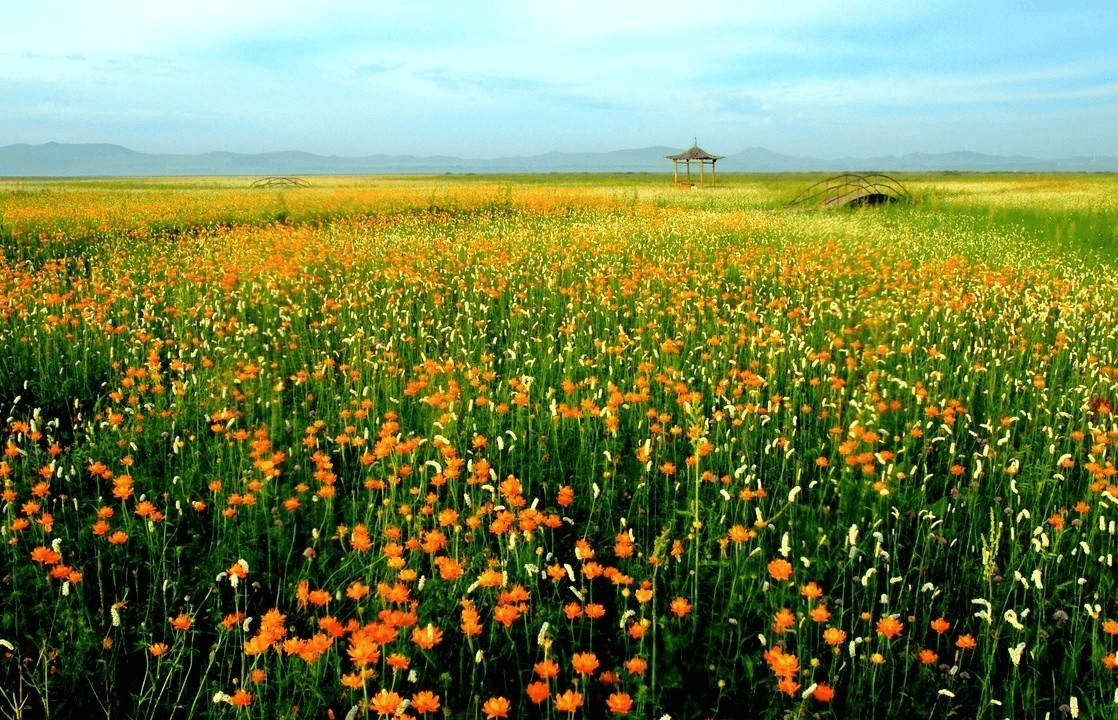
558,447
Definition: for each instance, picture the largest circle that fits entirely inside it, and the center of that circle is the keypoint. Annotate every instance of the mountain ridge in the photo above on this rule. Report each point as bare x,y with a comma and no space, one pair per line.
53,159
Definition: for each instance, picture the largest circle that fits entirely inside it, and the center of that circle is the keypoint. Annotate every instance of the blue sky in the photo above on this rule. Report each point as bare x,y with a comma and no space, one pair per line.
490,78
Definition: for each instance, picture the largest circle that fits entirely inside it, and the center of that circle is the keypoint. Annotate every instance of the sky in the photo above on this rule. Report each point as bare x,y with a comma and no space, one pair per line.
497,78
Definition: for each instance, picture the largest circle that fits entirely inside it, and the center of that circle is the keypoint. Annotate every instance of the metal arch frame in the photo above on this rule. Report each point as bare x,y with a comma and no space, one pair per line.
851,188
280,181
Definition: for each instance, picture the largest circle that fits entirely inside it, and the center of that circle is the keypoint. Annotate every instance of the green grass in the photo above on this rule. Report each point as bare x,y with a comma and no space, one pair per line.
546,399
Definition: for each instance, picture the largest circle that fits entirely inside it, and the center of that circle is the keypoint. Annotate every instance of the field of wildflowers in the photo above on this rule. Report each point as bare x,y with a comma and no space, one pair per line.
563,447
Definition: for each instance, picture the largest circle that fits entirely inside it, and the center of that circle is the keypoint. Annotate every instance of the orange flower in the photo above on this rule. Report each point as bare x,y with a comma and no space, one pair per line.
182,622
118,538
363,652
1110,661
45,555
427,637
823,692
889,626
425,701
496,707
619,703
584,663
360,539
780,569
353,680
927,656
158,649
546,668
681,606
834,636
241,698
782,664
570,701
940,625
386,703
811,591
537,691
356,590
783,620
820,613
965,642
1110,627
636,665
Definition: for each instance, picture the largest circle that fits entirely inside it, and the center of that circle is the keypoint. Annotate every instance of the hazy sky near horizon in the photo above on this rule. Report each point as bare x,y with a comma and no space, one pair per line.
490,78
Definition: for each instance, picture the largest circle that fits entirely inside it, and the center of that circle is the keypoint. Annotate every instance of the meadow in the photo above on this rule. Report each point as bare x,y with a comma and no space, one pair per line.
558,447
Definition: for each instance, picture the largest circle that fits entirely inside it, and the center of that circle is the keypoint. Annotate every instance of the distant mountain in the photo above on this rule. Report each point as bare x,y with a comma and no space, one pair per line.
62,160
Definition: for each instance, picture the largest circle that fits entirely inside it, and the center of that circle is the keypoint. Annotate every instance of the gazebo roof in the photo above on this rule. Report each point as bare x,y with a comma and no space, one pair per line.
695,153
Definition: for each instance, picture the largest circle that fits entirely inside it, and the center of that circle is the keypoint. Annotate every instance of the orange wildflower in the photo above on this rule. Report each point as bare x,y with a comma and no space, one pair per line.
45,555
781,663
182,622
425,701
398,662
823,692
636,665
241,698
965,642
356,590
889,626
537,691
619,703
386,702
158,649
927,656
940,625
584,663
811,591
496,707
820,613
427,637
353,680
780,569
363,652
783,620
319,597
546,668
360,539
681,606
569,701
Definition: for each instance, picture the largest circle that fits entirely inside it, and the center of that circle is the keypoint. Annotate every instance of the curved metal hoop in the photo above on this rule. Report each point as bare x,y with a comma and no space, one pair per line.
280,181
853,190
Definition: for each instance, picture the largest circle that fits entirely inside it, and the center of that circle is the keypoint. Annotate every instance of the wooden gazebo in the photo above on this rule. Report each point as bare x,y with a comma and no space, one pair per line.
695,154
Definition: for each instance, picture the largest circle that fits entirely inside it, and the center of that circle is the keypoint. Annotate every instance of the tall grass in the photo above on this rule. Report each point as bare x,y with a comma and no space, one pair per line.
583,447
